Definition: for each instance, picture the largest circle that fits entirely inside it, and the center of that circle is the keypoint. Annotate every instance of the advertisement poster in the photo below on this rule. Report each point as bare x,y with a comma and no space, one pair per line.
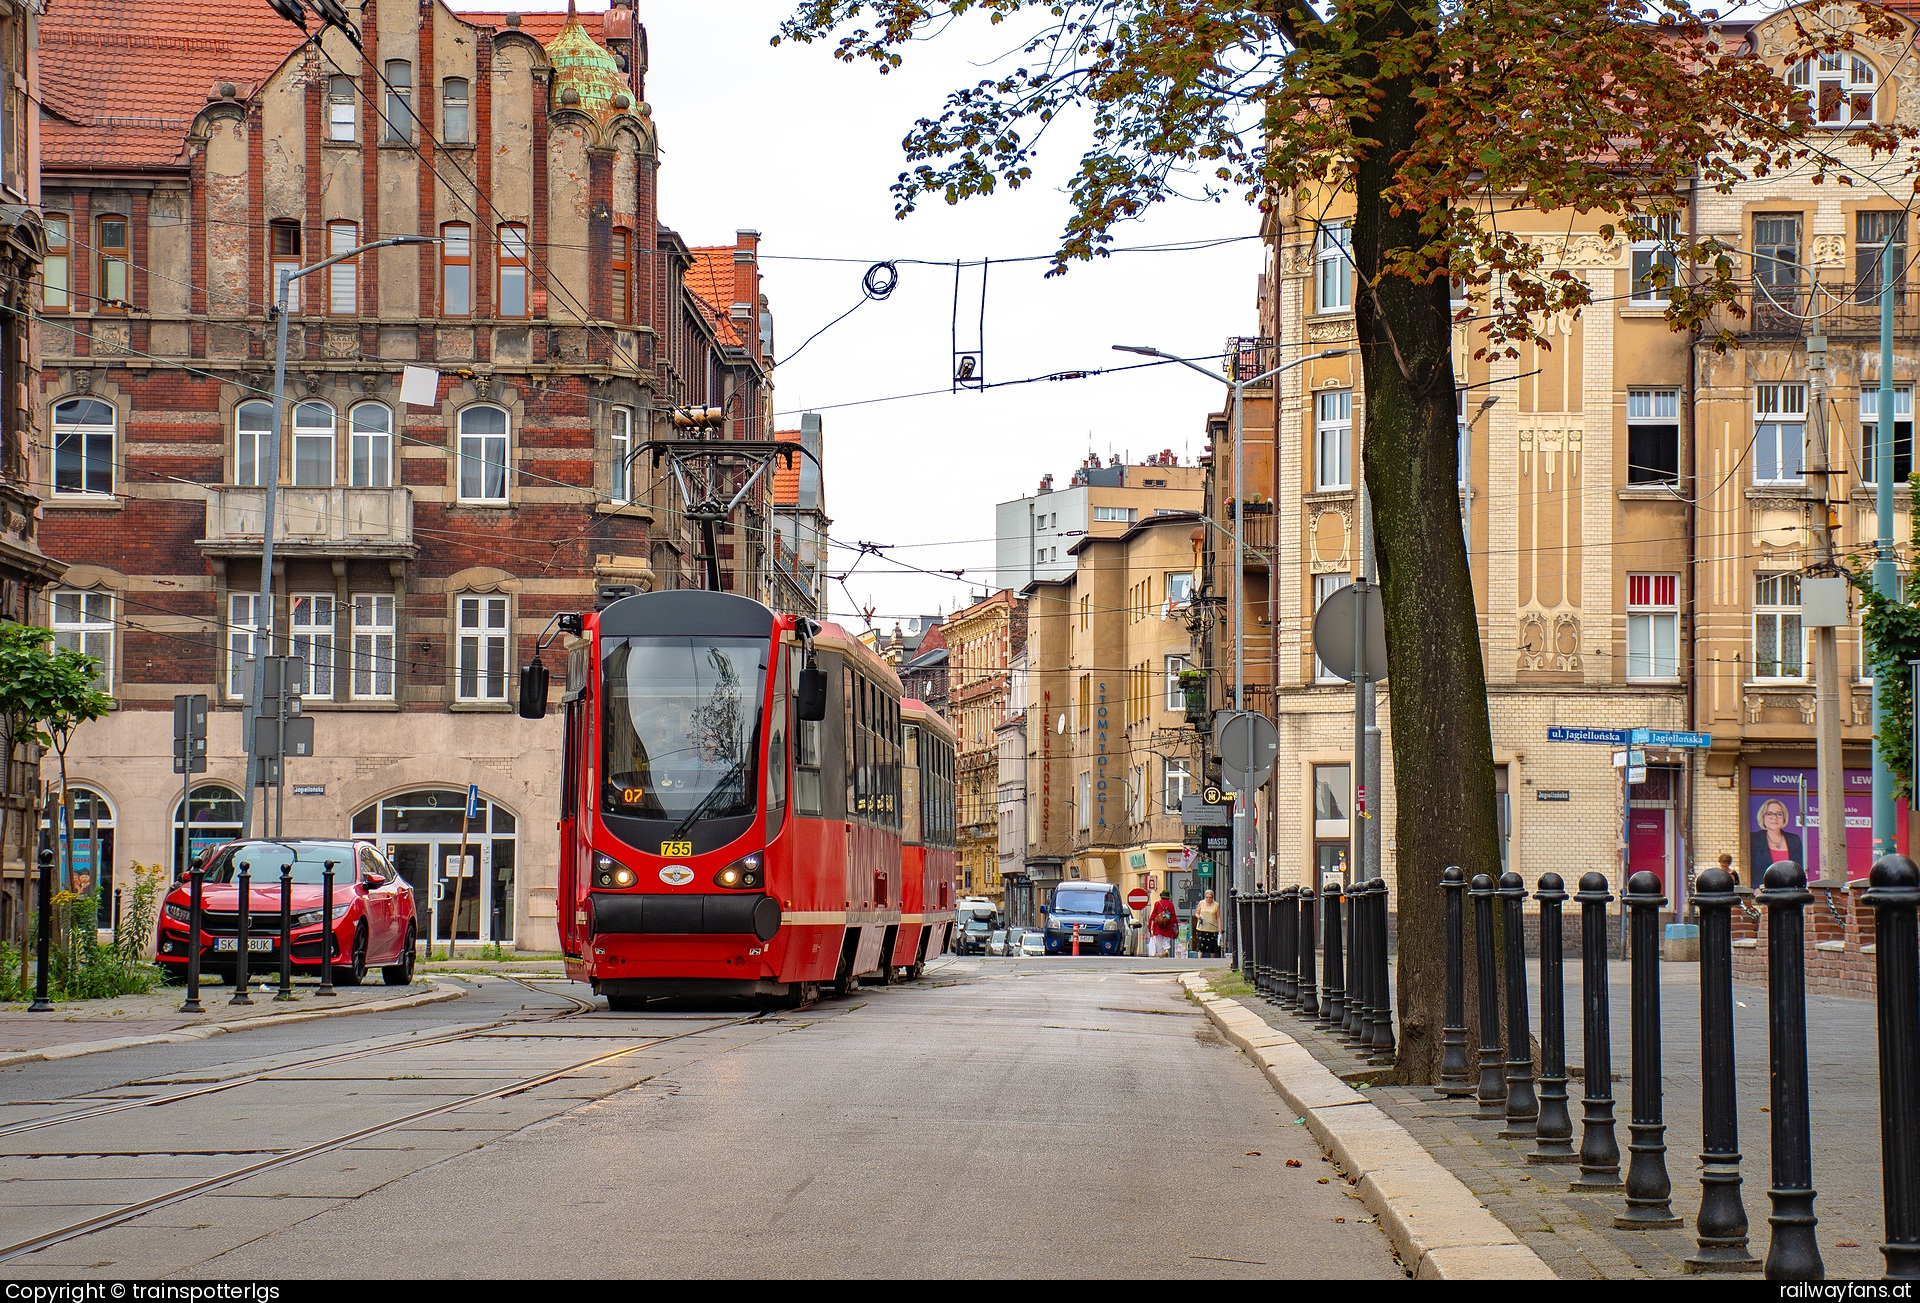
1778,827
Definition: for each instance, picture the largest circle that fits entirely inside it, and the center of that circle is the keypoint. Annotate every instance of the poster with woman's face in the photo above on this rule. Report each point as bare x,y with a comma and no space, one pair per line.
1781,825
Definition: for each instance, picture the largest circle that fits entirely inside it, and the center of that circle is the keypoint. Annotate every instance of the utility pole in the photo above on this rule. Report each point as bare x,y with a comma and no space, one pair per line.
1885,578
1826,638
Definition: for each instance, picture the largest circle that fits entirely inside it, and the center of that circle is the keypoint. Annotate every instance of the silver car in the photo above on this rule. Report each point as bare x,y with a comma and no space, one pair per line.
1033,942
997,942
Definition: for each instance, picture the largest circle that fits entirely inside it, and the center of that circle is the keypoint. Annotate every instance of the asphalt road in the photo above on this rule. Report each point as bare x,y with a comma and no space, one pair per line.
1051,1119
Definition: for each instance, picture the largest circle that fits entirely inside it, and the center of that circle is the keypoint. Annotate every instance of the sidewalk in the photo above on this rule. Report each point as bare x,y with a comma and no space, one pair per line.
1574,1233
96,1026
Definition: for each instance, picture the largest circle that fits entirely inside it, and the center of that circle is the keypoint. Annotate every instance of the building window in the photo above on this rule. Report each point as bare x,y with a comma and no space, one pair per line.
620,468
313,445
1462,436
1776,260
1779,433
372,451
373,645
1176,782
620,256
1176,692
453,111
110,244
343,278
456,270
1876,235
53,272
1902,434
1779,650
1179,587
1333,267
399,127
283,244
1125,515
1839,87
83,622
1654,260
1333,420
1653,436
1085,810
243,628
1653,627
1325,586
310,620
83,448
483,649
513,271
342,111
252,427
483,455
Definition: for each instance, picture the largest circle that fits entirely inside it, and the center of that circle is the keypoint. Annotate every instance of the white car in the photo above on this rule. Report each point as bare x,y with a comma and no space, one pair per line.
1032,942
997,942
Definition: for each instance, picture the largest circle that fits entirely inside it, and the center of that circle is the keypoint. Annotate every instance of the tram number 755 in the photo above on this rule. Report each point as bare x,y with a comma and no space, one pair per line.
676,850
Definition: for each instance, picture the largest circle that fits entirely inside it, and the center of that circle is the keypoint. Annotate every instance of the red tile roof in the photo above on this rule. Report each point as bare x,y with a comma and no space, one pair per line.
122,80
711,281
786,479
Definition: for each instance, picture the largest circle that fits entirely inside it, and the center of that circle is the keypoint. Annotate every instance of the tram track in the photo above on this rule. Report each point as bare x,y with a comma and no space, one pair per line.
129,1211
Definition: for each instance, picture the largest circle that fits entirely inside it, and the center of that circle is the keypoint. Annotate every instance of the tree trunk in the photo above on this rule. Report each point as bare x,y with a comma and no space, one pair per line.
1442,742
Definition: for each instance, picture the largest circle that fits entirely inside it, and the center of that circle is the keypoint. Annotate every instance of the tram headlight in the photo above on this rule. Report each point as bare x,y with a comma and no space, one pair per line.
609,872
743,872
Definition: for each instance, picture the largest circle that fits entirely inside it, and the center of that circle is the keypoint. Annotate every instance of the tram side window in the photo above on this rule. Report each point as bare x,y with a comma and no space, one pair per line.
777,772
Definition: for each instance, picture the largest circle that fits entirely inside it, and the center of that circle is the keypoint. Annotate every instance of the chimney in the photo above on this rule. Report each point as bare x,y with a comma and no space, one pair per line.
746,284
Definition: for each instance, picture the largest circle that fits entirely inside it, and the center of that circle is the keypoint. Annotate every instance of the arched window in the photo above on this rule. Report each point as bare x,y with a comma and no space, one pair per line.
252,427
1840,87
372,446
83,447
212,817
83,848
483,455
313,445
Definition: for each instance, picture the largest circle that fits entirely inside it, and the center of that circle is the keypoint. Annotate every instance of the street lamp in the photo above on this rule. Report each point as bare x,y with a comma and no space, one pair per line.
1233,381
263,615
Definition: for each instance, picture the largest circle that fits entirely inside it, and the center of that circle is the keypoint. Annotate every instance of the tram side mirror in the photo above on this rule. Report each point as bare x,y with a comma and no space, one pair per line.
813,694
533,691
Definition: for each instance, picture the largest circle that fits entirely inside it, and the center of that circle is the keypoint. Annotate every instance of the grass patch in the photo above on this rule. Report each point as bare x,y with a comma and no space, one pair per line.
1229,982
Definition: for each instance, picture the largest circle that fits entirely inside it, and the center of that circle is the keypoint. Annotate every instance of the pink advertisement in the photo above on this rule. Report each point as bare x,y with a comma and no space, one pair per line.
1781,827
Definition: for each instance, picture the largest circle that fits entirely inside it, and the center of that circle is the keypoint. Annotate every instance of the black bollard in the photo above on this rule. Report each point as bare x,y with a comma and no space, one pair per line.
1792,1253
1456,1076
43,942
1350,1011
1492,1093
194,918
1243,935
240,995
1332,980
1553,1133
1894,892
1357,1027
1280,943
286,932
1304,956
1720,1230
1523,1106
1272,907
1649,1191
1382,982
327,941
1599,1151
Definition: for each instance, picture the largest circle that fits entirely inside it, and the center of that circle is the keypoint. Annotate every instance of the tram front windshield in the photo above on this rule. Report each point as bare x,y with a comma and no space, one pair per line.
682,727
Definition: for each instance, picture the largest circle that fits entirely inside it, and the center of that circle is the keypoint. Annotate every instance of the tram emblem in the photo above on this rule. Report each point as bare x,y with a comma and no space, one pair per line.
676,875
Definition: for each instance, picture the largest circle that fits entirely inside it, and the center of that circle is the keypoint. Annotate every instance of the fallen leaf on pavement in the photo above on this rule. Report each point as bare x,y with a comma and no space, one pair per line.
1323,1180
1845,1244
1253,1153
1293,1162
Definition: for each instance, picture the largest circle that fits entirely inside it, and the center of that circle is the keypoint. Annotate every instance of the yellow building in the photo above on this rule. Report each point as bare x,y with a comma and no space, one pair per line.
982,640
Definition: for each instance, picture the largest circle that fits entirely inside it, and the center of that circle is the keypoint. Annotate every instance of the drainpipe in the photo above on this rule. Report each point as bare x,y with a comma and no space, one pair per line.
1690,678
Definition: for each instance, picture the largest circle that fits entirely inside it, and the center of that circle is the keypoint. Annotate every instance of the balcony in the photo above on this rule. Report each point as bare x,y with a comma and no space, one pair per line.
1258,535
1781,311
327,522
1249,356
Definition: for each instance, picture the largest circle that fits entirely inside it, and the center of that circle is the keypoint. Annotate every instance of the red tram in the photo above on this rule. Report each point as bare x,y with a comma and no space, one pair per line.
734,804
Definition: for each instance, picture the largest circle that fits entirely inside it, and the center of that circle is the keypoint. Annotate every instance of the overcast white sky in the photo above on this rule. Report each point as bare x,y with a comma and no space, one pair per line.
802,148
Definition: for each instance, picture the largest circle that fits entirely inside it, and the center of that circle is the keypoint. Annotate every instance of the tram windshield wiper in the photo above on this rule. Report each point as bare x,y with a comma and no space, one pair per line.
711,799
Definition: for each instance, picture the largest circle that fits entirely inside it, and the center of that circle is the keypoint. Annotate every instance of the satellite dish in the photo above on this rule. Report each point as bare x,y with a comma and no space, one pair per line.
1061,727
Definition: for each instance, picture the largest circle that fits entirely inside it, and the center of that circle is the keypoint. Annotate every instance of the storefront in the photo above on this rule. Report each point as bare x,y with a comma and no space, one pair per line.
1783,811
461,869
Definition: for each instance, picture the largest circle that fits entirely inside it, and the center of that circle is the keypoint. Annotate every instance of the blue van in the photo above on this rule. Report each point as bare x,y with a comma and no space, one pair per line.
1098,910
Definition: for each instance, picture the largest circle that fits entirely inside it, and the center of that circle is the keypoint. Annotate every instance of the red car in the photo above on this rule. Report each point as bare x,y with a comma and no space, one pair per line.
373,916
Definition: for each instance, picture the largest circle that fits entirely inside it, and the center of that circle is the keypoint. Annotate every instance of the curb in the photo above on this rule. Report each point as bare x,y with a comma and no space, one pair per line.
76,1049
1436,1224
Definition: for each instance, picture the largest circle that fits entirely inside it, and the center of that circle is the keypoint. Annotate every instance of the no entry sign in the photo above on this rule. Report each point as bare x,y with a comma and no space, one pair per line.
1138,898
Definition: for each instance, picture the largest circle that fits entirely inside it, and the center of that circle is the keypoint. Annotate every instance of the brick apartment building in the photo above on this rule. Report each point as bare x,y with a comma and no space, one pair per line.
420,547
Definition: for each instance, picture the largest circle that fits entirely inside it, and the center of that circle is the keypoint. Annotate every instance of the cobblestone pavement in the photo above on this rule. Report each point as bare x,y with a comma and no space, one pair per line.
1574,1232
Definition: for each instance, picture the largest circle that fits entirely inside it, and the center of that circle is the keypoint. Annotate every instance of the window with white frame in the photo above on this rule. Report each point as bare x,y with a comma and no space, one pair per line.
1179,587
511,266
1779,647
483,454
371,454
1902,434
399,125
1325,586
1654,259
83,448
454,117
1462,437
1839,86
1879,247
343,278
310,621
1333,267
482,666
1176,780
1176,693
1653,627
313,445
1084,807
1333,423
1779,433
243,638
1653,436
252,427
83,622
283,245
1125,514
620,457
56,271
373,645
342,109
